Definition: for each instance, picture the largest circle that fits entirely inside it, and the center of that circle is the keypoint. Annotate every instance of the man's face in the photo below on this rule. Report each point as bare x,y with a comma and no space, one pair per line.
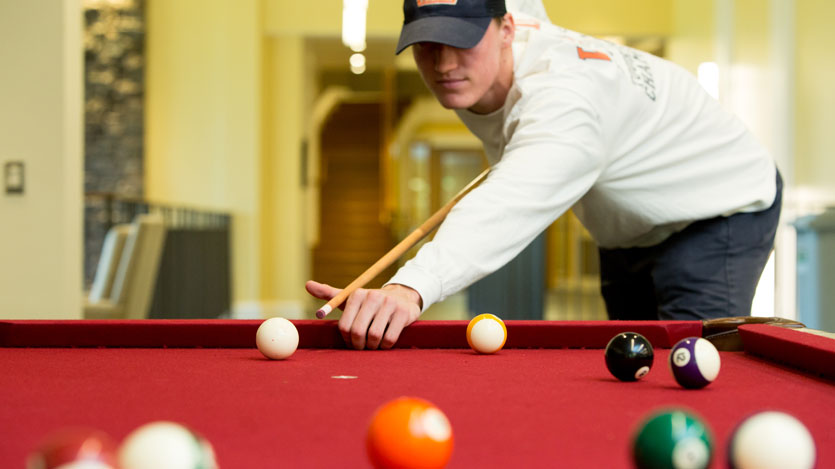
465,78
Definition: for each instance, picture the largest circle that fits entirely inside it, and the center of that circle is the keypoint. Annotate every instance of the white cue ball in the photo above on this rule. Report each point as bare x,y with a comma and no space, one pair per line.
277,338
486,333
771,440
165,445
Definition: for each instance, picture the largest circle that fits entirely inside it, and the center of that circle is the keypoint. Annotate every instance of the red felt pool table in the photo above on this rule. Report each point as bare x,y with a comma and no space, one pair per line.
546,400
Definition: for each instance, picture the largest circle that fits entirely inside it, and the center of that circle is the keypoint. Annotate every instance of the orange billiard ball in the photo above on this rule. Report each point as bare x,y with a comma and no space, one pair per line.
409,432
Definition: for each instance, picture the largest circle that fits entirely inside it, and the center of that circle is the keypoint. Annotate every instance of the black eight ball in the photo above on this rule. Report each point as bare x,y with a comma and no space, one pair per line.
629,356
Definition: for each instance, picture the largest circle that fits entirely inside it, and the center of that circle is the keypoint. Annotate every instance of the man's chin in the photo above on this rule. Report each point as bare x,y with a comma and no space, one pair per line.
454,104
452,107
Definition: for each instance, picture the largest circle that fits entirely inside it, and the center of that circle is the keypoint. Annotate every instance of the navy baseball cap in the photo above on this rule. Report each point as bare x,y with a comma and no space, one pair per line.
456,23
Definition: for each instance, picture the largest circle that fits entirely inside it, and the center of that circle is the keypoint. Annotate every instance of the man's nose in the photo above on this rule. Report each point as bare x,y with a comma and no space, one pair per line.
445,58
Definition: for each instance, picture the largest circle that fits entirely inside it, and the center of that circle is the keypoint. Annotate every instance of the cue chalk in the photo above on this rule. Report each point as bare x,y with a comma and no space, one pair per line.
407,243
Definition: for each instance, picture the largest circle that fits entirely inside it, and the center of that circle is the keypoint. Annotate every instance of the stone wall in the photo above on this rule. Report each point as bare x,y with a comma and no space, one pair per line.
114,37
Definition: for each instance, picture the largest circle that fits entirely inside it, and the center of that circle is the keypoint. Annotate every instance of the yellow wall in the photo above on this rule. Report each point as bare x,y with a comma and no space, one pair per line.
693,39
750,70
738,36
225,107
285,255
636,17
782,99
615,17
203,117
41,125
325,18
815,96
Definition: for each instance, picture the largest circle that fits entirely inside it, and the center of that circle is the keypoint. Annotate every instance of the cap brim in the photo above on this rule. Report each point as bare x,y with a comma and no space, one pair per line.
462,33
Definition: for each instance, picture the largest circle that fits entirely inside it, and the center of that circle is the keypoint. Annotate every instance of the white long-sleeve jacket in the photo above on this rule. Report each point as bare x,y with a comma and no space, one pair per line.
630,142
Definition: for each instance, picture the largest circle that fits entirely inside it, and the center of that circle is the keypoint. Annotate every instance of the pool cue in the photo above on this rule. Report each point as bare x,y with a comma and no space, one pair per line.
407,243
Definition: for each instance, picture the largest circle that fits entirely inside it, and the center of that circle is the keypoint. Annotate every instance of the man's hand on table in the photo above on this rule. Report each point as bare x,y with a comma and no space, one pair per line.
373,318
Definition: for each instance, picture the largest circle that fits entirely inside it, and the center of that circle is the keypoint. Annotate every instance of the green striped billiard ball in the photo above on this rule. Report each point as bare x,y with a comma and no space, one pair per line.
672,439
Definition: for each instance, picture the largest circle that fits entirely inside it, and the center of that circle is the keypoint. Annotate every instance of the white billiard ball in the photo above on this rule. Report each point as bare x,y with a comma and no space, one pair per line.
771,439
486,333
165,445
277,338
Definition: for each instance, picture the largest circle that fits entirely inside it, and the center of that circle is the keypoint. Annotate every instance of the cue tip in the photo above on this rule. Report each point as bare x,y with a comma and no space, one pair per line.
323,311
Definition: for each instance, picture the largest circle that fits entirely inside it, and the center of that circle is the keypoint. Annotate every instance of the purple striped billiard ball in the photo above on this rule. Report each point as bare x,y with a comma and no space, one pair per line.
694,362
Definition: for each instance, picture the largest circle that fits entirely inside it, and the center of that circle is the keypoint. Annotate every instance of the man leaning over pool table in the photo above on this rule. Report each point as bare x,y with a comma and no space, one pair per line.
680,197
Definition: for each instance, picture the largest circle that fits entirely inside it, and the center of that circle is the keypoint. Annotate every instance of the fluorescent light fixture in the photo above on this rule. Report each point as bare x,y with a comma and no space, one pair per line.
353,24
708,74
108,3
357,62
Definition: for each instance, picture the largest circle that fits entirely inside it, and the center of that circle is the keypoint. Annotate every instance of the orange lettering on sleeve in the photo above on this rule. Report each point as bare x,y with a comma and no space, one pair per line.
584,54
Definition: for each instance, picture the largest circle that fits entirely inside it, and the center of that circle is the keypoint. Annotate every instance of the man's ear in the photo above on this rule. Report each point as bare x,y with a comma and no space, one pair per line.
508,30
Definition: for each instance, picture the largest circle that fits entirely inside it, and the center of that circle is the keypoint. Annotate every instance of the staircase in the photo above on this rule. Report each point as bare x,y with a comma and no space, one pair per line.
352,237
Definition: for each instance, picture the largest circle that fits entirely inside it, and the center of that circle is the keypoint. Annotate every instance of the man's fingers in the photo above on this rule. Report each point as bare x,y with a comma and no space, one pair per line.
398,321
373,318
349,318
380,322
323,291
368,310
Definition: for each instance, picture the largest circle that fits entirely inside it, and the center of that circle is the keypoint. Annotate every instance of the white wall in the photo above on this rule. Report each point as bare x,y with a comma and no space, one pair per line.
41,124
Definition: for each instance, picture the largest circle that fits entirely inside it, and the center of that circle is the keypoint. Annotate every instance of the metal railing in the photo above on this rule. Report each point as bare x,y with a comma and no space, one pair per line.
194,278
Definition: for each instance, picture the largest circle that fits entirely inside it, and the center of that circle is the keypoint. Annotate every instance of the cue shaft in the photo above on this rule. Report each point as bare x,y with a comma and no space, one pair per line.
407,243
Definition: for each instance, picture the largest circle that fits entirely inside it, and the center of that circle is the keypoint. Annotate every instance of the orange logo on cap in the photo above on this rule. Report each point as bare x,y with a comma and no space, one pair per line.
424,3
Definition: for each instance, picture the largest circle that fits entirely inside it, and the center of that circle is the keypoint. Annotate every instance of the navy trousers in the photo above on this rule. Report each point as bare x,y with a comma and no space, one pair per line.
708,270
